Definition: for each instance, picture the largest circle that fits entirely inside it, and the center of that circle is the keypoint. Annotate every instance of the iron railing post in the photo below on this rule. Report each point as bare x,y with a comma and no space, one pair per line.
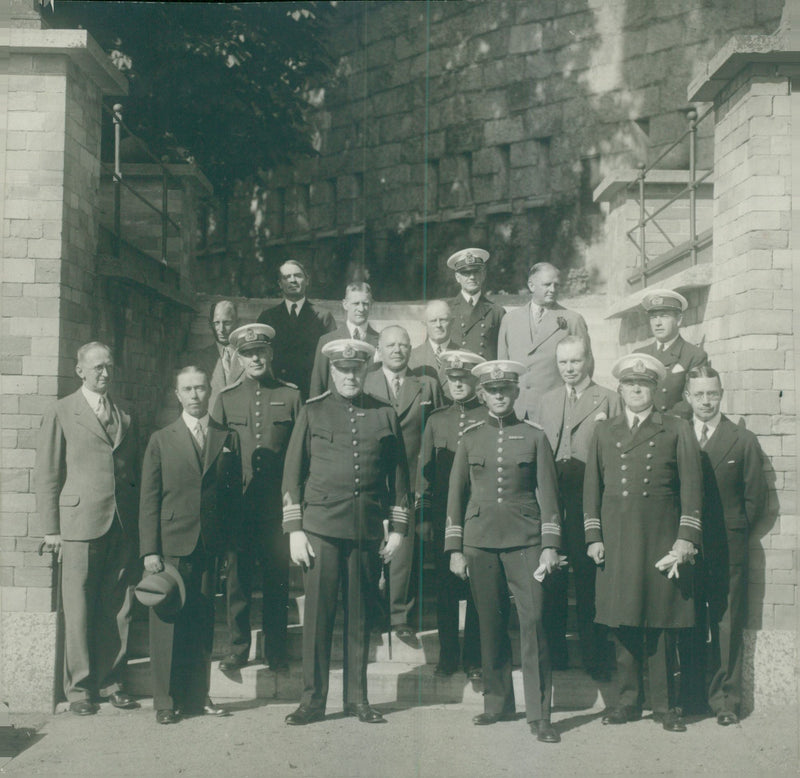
692,116
117,180
642,217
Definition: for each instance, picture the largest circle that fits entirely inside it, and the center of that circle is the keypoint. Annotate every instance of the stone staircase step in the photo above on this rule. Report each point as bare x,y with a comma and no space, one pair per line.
402,683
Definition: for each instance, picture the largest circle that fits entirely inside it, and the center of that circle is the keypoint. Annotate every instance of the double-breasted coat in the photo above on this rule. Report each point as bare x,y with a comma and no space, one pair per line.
476,327
641,492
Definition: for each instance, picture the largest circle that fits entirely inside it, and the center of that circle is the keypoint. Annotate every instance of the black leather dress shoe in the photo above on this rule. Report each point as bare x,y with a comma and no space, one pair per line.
166,716
622,715
485,719
444,670
304,715
232,663
364,712
122,700
673,721
475,674
82,708
209,709
725,718
545,732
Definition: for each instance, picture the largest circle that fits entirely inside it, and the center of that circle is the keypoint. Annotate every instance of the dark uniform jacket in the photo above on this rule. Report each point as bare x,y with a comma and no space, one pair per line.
679,359
559,421
640,493
83,478
346,470
536,349
295,341
476,328
263,415
185,499
320,373
419,396
439,442
503,488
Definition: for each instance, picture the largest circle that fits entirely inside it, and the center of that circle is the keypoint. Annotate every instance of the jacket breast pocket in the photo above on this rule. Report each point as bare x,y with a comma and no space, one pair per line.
476,461
69,500
321,433
167,515
237,421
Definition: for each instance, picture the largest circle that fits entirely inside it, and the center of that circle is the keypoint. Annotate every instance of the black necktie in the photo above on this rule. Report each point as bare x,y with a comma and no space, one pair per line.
293,312
635,425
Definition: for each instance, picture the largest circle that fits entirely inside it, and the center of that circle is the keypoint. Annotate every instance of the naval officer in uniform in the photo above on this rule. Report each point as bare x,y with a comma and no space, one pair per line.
476,318
503,529
642,495
262,410
345,477
443,431
665,311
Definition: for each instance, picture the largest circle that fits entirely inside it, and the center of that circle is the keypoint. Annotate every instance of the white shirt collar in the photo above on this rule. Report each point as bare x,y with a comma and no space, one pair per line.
362,328
391,375
641,414
667,345
191,422
712,425
93,398
470,297
299,303
443,346
580,387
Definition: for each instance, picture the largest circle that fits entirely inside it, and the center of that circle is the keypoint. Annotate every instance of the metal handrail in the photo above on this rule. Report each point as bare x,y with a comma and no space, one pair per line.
646,218
116,177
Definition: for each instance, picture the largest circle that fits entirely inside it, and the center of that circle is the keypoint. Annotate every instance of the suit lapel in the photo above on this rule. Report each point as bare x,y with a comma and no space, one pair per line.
476,312
672,355
408,391
86,418
124,425
183,442
375,384
587,403
548,326
214,442
650,427
555,417
721,442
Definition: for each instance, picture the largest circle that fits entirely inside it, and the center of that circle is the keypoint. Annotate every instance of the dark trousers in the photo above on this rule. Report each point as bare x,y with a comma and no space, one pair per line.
180,650
493,573
727,611
655,647
450,589
570,483
355,566
97,596
403,585
272,553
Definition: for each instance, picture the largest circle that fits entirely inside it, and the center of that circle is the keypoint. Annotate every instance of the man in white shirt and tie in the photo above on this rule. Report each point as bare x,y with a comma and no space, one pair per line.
357,305
87,495
426,358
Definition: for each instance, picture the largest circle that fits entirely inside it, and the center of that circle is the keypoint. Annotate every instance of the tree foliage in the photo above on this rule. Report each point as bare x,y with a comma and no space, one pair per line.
223,84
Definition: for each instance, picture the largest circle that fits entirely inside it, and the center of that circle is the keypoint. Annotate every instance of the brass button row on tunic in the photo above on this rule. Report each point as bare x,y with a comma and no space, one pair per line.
354,430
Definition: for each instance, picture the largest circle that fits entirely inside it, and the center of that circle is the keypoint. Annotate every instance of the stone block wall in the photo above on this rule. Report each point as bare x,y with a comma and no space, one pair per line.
483,123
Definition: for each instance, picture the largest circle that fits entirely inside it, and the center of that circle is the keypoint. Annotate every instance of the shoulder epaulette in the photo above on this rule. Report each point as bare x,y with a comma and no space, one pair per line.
289,384
227,388
318,397
473,426
533,424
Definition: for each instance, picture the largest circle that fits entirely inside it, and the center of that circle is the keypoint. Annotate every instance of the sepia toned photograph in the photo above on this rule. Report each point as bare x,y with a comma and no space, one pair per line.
426,364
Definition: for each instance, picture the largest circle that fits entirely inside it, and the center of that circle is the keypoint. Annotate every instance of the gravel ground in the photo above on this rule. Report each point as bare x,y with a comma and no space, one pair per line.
426,741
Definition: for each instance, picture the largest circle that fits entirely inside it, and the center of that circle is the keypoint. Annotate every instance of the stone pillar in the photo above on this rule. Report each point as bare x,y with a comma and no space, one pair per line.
751,319
51,86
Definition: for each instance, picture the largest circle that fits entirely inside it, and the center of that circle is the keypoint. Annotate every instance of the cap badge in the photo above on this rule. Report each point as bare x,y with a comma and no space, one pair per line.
497,374
456,363
249,334
657,300
349,352
470,259
638,366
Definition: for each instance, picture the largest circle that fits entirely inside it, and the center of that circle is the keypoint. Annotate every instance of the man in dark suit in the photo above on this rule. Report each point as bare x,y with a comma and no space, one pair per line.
191,493
476,318
345,475
568,414
665,311
262,410
426,358
413,398
530,335
442,432
219,360
735,495
503,531
642,497
298,326
357,304
87,493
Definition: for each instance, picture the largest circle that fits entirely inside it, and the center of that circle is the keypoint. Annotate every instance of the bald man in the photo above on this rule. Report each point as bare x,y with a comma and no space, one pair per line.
426,358
219,360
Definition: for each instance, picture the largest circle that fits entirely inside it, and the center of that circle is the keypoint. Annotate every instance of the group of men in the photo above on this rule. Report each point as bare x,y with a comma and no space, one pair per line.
345,451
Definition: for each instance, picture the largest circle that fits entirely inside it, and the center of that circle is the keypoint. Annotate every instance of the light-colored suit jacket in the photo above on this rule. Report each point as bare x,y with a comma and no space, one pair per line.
82,477
595,404
536,349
